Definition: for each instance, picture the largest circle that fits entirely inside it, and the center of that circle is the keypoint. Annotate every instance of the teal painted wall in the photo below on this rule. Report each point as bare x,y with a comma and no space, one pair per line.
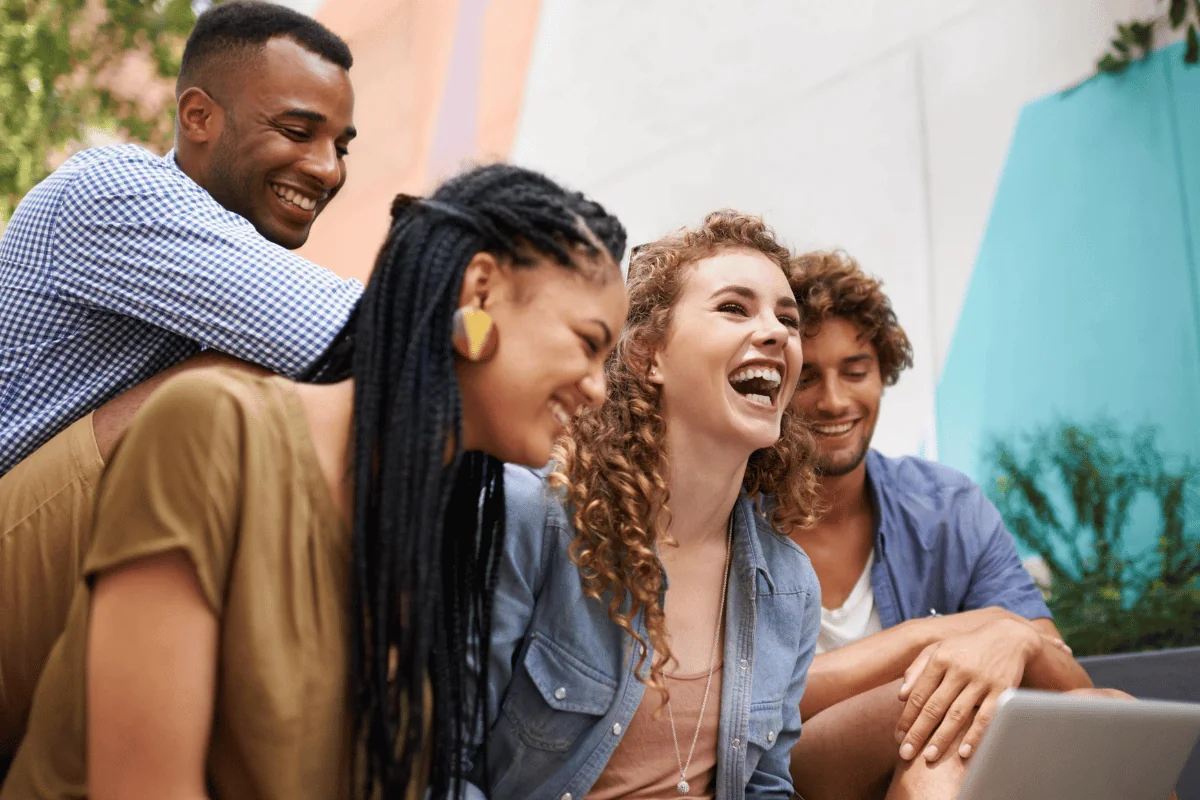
1083,300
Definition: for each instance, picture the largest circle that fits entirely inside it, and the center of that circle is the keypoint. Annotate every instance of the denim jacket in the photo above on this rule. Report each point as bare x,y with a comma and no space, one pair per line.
561,685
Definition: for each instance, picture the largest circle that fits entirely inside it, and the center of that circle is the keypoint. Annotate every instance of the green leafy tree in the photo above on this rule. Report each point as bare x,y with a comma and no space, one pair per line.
56,58
1068,493
1135,39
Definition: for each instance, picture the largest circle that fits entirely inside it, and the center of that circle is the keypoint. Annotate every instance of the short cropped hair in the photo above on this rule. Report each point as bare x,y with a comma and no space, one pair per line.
829,283
228,34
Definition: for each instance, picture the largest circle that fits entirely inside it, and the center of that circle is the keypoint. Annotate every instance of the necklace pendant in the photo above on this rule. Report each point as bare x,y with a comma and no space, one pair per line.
683,787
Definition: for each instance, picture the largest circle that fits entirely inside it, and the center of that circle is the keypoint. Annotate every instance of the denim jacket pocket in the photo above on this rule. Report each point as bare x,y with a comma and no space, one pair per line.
555,698
765,721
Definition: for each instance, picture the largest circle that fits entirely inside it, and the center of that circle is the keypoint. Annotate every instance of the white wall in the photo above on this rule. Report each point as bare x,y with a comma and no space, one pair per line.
880,126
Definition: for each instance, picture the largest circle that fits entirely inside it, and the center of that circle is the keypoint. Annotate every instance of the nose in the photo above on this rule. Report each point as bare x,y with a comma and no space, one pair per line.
594,388
323,165
772,333
832,401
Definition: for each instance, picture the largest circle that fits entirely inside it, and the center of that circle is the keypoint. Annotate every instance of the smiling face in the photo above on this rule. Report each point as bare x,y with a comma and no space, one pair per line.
839,394
283,137
555,326
732,353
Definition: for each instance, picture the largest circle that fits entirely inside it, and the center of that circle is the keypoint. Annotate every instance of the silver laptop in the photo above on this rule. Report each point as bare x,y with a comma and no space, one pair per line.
1046,745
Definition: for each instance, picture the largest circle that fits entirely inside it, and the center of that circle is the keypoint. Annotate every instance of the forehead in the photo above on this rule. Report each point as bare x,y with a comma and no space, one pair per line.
746,268
837,339
288,76
575,292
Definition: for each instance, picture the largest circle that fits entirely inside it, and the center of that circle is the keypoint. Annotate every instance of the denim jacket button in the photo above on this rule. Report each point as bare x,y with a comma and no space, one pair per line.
744,664
560,693
737,743
566,796
616,729
770,736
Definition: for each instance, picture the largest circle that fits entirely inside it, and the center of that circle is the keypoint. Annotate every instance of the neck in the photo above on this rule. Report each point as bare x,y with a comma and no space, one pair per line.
844,496
188,165
705,481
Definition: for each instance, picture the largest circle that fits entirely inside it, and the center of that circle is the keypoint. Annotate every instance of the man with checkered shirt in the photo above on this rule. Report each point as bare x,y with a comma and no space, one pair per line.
123,267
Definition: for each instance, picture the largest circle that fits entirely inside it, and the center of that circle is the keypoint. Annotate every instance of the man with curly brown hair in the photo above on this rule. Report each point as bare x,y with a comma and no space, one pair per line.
927,612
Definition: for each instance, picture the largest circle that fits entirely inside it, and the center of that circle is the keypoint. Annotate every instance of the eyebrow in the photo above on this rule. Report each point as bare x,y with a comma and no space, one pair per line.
787,301
317,116
858,358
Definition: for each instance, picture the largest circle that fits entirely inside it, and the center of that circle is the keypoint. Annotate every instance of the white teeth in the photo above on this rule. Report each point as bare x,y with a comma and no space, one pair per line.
295,198
769,374
759,399
833,430
559,412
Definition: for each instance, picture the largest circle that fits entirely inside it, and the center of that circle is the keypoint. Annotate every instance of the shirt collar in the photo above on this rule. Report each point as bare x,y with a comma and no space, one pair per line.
749,557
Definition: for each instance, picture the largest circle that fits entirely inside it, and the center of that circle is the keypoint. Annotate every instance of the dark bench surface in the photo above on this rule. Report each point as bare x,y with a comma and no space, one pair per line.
1158,675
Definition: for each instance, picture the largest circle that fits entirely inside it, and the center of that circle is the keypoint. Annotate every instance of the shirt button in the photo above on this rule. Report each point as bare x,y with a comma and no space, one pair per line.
560,693
737,743
616,729
770,736
567,796
744,664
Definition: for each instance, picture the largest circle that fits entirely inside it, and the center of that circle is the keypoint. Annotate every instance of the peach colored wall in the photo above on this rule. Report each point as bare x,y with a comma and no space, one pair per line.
410,134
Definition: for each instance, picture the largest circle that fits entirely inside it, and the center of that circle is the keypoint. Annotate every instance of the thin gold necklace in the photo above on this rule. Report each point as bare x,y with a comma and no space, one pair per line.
683,786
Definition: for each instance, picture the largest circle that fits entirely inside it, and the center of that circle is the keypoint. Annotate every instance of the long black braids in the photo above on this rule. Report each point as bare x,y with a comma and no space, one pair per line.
427,533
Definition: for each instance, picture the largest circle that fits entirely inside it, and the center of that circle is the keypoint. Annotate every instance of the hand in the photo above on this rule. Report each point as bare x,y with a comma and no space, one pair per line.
950,679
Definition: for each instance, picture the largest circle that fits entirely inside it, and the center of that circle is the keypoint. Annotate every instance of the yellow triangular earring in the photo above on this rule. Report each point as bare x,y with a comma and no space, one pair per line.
474,333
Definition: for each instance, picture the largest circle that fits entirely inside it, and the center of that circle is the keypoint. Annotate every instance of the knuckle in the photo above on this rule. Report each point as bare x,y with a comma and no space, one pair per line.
932,711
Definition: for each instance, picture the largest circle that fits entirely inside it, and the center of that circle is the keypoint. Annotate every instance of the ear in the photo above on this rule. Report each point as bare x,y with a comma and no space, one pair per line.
654,371
200,118
480,279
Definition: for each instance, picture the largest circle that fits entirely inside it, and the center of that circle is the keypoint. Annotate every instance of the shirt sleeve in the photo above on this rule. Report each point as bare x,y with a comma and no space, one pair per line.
772,777
174,484
137,237
998,578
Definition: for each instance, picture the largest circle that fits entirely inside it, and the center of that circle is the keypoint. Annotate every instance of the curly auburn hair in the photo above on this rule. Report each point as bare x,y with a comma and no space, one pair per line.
830,283
611,462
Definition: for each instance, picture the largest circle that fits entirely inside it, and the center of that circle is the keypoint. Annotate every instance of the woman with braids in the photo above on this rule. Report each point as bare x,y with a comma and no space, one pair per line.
652,626
282,580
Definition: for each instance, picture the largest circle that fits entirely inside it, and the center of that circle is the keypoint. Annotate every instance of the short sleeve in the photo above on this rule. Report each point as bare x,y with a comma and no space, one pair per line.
998,578
174,483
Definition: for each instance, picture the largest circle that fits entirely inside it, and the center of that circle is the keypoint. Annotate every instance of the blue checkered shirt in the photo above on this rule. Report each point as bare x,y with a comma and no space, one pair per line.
116,267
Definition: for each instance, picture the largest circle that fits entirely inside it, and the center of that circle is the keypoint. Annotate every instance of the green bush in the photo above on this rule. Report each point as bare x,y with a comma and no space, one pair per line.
1068,493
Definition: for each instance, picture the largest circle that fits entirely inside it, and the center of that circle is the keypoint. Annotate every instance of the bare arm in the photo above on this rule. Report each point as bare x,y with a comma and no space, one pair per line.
1054,668
883,657
151,677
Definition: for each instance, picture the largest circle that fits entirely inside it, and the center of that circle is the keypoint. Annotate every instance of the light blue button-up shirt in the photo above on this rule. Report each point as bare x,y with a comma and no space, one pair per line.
940,545
561,684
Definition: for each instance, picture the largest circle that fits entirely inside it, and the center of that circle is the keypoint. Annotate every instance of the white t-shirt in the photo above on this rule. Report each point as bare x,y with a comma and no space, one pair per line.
856,619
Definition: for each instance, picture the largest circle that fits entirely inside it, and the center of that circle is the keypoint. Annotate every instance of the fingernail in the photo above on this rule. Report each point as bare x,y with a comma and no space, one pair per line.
931,753
964,751
903,688
900,735
906,752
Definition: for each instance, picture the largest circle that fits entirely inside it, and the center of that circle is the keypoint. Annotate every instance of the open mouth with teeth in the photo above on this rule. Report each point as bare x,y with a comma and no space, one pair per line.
294,198
559,412
832,429
759,385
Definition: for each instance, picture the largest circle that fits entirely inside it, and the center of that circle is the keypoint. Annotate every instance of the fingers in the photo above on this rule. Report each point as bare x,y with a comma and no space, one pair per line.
915,669
930,714
983,718
956,718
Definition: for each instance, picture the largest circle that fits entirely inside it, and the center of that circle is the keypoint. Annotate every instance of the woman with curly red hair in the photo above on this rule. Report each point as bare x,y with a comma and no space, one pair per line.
653,624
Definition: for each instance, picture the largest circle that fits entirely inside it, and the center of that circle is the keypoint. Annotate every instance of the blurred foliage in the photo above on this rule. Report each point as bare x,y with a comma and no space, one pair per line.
1135,39
1071,493
55,56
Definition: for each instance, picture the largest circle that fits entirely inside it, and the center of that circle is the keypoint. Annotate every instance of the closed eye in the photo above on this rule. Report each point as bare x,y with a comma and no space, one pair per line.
592,345
790,321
